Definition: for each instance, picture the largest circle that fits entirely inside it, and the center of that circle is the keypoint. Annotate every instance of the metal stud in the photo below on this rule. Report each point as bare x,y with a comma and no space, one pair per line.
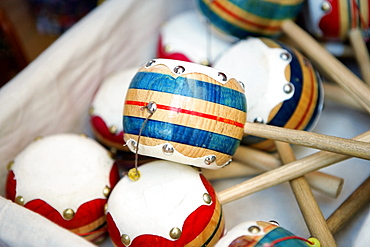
133,145
149,63
175,233
83,135
151,107
168,48
91,110
242,84
113,129
258,120
106,191
325,6
285,56
254,229
105,208
168,149
179,69
274,222
19,200
288,88
37,138
210,159
68,214
125,239
223,76
10,165
207,198
204,62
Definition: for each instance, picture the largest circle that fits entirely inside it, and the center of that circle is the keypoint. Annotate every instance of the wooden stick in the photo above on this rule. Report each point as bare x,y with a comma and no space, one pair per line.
285,173
332,67
337,94
324,183
233,170
310,210
310,139
357,200
361,53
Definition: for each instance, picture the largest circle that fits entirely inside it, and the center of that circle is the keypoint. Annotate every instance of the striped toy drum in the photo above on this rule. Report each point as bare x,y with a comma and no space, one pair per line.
198,113
261,233
331,20
246,18
66,178
171,204
282,87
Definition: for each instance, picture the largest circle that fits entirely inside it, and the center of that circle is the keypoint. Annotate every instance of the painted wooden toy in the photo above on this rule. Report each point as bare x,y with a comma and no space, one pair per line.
107,107
282,88
331,20
66,178
186,37
263,234
184,112
246,18
170,205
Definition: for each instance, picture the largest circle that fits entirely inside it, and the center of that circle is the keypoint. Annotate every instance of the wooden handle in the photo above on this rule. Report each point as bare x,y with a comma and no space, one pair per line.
233,170
309,139
326,184
358,199
311,212
361,53
285,173
331,66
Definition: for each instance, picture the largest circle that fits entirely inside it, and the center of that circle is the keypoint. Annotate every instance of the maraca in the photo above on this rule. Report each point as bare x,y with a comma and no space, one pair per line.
282,87
170,205
263,234
184,112
186,37
66,178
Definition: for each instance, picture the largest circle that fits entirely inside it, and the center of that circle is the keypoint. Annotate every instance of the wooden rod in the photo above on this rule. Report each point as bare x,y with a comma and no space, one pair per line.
233,170
309,139
310,210
285,173
326,184
332,67
357,200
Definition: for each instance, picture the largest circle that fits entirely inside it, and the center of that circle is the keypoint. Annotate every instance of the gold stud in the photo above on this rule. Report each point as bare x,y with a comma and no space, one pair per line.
133,174
254,229
68,214
91,110
204,62
37,138
125,239
83,135
325,6
175,233
207,198
10,165
19,200
106,191
168,48
113,129
105,208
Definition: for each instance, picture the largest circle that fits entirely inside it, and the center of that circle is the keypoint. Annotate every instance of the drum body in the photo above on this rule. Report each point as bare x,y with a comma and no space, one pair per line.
282,87
258,234
170,205
331,20
246,18
66,178
199,113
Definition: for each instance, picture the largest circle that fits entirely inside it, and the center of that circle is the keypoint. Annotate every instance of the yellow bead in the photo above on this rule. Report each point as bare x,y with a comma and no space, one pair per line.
315,242
133,174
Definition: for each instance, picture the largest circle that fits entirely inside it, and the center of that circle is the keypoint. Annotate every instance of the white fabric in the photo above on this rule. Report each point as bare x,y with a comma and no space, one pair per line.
52,95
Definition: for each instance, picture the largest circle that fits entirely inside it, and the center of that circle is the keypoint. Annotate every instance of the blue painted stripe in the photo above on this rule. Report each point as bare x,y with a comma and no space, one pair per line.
181,134
190,88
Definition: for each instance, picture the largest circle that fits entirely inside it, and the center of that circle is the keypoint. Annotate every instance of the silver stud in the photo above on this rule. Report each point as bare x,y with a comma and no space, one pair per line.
210,159
254,229
223,76
133,145
151,107
325,6
168,149
274,222
207,198
179,69
149,63
125,239
258,120
288,88
242,84
175,233
285,56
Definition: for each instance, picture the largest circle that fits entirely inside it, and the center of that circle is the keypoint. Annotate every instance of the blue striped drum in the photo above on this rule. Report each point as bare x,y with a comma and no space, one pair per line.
244,18
199,113
282,87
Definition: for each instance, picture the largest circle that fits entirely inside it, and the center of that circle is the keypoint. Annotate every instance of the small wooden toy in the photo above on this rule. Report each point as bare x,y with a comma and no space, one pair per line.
282,87
170,205
186,37
184,112
107,107
246,18
263,234
66,178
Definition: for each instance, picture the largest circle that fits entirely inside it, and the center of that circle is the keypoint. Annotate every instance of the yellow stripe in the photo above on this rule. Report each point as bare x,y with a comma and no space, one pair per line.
285,2
345,21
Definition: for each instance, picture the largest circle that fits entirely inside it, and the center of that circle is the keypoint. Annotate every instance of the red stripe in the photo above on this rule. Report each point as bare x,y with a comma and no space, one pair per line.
193,113
235,16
